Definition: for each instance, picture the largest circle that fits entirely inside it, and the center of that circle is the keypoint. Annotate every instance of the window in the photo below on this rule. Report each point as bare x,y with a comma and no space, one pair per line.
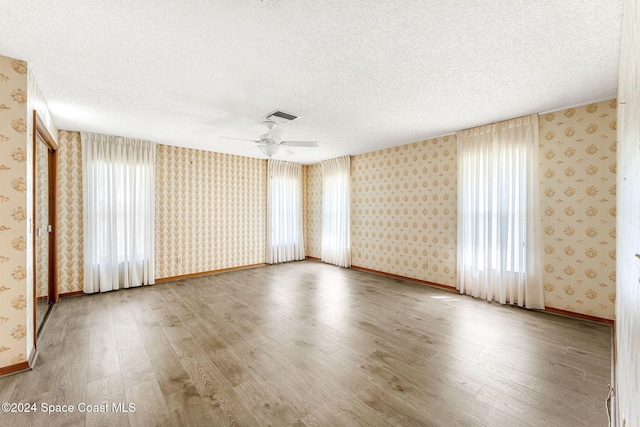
336,232
120,204
499,213
285,238
119,191
497,209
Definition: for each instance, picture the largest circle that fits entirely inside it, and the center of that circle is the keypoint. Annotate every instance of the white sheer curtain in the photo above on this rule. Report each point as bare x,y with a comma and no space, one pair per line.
336,230
118,184
285,240
499,219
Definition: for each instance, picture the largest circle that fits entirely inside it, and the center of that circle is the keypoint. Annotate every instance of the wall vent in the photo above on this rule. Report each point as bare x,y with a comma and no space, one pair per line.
280,117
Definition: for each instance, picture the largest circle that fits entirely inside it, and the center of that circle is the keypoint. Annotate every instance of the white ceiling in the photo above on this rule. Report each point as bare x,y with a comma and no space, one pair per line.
362,75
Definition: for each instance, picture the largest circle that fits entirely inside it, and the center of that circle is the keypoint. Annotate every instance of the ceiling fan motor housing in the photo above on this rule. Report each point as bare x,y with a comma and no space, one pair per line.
269,139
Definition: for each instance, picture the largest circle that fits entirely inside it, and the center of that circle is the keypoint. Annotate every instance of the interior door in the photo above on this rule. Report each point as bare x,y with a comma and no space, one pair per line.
43,227
45,287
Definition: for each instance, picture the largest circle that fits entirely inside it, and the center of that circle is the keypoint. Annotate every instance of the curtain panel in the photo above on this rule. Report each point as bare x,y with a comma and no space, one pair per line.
285,240
499,213
118,180
336,210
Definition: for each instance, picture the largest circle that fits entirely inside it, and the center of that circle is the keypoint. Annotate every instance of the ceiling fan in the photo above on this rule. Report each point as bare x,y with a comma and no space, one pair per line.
271,142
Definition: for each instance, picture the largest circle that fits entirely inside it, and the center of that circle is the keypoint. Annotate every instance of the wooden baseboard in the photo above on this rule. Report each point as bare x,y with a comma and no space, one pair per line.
410,279
12,369
452,288
206,273
22,366
382,273
579,315
71,294
184,276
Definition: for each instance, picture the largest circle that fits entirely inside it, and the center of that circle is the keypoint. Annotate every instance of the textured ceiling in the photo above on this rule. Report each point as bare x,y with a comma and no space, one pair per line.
362,75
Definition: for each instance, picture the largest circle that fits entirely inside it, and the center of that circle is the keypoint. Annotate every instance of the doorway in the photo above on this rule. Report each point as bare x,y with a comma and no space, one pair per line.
45,289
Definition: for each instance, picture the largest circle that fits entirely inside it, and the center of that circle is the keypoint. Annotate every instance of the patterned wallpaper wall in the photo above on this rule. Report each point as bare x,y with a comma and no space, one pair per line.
13,211
578,170
41,276
69,213
210,211
312,180
19,96
403,210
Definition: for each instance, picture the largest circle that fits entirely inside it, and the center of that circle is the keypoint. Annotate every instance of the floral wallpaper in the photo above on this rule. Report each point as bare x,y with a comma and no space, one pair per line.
312,212
210,211
403,212
13,211
41,219
19,96
70,257
578,169
403,216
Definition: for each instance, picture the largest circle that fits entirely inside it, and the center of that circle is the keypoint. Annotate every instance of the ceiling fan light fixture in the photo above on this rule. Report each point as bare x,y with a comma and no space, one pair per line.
269,150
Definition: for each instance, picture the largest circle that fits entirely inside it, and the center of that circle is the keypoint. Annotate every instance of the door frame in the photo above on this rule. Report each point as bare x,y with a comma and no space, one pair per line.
40,129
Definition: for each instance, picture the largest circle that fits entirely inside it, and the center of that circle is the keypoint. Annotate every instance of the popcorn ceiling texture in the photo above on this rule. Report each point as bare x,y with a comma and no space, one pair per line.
360,74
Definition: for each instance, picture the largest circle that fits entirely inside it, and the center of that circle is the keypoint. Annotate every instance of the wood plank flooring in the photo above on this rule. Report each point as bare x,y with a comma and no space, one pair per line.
310,344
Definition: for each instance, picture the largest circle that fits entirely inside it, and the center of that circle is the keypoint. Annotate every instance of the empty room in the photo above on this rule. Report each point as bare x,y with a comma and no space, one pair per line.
271,213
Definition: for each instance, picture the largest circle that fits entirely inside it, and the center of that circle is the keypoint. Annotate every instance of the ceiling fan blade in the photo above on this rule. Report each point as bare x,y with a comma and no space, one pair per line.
239,139
301,143
286,151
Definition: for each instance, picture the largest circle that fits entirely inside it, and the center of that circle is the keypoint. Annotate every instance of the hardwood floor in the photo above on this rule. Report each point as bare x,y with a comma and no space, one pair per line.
310,344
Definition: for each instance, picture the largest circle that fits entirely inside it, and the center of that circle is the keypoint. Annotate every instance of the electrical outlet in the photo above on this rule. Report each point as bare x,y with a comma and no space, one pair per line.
426,264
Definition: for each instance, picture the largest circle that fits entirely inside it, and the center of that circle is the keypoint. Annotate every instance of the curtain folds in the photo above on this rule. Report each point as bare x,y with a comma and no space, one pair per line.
336,232
118,180
285,240
499,214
